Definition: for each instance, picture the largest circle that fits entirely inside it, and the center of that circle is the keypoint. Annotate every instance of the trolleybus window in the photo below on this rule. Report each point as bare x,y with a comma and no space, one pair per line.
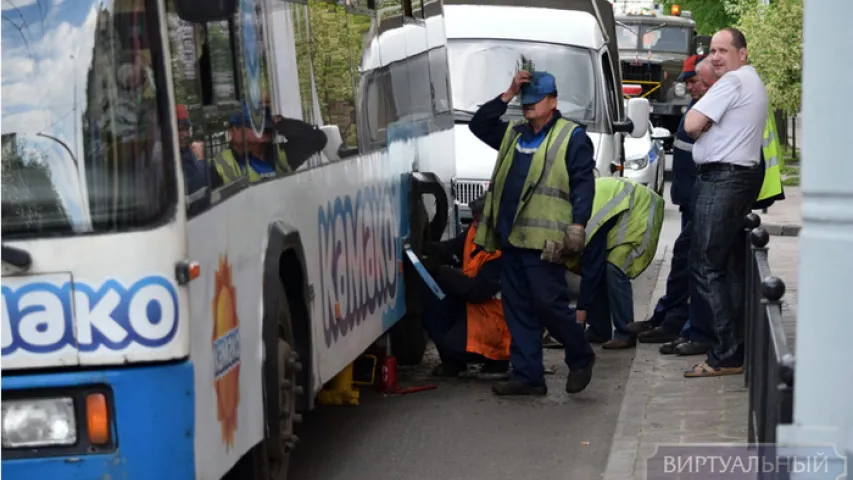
86,143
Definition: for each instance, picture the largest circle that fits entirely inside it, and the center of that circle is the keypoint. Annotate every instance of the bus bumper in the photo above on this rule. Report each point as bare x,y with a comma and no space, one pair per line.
151,417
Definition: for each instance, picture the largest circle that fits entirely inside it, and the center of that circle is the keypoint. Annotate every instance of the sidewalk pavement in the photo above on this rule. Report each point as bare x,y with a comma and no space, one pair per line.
662,407
784,218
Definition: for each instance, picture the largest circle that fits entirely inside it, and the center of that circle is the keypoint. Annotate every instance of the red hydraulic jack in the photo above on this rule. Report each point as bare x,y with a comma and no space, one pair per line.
389,375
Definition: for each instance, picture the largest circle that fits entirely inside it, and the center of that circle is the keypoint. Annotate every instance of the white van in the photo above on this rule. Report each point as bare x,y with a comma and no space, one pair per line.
572,39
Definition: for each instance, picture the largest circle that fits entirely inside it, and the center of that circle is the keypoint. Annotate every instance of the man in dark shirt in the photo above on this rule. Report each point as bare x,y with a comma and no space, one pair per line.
522,214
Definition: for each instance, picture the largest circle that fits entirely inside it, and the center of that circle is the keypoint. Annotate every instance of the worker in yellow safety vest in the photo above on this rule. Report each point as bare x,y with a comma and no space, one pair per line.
771,155
541,191
250,155
621,241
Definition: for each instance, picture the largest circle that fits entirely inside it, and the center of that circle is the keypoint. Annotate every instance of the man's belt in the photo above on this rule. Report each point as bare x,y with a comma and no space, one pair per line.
723,167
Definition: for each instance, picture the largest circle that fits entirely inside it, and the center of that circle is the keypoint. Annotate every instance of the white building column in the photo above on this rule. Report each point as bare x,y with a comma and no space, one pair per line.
823,396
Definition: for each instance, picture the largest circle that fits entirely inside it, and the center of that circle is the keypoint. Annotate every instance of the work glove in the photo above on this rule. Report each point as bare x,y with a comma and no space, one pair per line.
571,246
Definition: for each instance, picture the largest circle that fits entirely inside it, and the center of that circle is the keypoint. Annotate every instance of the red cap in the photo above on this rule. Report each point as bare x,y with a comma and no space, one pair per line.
690,66
183,113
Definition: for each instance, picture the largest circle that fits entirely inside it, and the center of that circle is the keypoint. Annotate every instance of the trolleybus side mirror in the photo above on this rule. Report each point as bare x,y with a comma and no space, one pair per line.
333,142
202,11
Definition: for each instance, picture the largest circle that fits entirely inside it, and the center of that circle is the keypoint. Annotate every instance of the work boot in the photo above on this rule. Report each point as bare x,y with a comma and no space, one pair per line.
579,379
514,387
447,370
668,348
639,327
687,349
656,335
495,367
619,344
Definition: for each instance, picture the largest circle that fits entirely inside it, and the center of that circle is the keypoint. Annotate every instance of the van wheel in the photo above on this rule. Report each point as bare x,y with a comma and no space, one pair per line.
270,459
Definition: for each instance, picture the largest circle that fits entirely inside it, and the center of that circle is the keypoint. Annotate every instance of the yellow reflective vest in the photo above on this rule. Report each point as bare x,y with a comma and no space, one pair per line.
633,241
230,170
545,209
772,186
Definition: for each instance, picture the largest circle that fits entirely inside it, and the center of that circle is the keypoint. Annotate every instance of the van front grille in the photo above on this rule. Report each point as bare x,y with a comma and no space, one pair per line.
469,190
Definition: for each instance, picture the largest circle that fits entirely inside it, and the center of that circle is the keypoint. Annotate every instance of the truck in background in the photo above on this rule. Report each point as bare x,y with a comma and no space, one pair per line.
652,50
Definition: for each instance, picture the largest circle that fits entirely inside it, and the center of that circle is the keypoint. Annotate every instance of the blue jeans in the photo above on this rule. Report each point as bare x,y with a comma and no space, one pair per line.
671,311
722,198
535,295
613,300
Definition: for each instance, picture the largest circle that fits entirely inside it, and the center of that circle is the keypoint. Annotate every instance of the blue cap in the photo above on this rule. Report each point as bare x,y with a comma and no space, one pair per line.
244,118
541,85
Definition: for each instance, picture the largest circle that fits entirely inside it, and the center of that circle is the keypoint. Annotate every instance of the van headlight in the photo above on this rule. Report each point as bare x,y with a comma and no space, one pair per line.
39,422
637,163
680,90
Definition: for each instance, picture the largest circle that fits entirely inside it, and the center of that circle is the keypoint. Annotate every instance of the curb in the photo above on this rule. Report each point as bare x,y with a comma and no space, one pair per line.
624,448
781,229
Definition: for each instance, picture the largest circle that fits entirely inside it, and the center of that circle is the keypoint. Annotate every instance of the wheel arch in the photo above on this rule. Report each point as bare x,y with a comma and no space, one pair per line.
285,268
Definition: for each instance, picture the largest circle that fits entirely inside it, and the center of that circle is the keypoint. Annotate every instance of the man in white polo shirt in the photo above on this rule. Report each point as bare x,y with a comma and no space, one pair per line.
728,124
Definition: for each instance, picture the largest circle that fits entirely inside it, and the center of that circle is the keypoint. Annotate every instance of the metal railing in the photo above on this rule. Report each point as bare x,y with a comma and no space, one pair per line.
769,365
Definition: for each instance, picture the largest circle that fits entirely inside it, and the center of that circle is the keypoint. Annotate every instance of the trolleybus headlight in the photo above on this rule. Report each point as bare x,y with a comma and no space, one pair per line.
680,90
39,422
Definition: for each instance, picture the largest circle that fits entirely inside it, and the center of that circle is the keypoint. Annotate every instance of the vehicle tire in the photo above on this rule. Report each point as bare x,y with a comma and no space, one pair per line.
261,463
408,340
408,337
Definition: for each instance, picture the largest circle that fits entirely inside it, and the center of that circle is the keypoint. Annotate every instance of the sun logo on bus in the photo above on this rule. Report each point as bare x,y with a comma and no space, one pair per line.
226,351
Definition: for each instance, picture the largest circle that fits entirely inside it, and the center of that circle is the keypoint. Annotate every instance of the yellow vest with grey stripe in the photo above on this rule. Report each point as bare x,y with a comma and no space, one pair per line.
544,209
772,151
772,186
229,169
633,241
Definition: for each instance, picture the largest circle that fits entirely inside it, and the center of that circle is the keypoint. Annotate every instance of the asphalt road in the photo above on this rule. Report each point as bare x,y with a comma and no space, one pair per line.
460,431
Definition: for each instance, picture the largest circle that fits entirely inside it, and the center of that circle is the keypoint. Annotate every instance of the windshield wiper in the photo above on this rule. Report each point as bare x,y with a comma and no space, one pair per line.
657,27
633,29
15,259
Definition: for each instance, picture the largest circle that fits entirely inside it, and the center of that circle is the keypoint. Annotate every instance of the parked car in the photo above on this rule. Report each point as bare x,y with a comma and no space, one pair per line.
645,158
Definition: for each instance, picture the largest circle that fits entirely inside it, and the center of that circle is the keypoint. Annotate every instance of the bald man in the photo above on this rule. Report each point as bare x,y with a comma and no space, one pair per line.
728,124
670,324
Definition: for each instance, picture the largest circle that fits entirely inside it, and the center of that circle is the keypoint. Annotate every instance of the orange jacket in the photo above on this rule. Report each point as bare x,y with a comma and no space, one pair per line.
488,334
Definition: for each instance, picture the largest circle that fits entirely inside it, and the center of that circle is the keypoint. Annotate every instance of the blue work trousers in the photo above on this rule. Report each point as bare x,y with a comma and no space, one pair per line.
722,198
446,323
535,295
614,300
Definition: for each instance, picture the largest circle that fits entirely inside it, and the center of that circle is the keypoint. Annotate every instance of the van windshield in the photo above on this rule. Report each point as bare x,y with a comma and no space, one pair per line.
480,70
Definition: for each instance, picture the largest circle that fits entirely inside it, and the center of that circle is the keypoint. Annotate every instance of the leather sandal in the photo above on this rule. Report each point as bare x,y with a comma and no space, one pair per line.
702,370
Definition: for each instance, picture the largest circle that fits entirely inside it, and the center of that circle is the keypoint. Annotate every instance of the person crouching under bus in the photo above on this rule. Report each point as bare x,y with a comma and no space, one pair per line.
622,238
250,154
468,325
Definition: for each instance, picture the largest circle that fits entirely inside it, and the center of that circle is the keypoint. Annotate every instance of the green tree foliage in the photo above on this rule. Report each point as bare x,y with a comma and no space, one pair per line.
709,15
30,200
337,41
774,35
